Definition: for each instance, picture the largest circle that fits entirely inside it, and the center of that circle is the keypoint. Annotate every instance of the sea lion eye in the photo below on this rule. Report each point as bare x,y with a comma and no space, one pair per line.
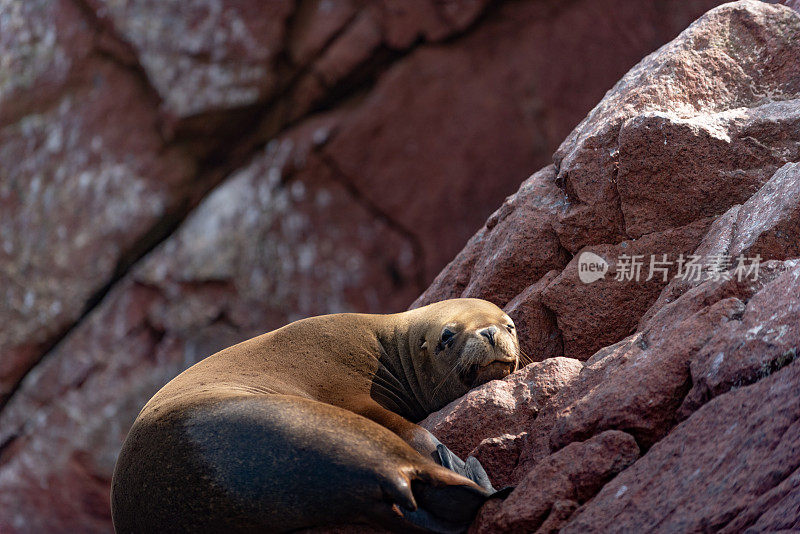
447,336
510,328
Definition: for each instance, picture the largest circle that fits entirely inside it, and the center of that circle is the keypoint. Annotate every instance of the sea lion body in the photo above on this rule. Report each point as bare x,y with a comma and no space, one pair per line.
313,424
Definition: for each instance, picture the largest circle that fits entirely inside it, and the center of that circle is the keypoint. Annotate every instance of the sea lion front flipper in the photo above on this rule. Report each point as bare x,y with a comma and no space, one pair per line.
471,468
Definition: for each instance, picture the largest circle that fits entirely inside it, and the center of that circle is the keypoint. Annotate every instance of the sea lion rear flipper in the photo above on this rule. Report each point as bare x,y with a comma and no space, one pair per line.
471,468
446,503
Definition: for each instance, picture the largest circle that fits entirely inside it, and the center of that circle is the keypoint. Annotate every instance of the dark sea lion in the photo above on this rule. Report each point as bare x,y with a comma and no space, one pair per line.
312,425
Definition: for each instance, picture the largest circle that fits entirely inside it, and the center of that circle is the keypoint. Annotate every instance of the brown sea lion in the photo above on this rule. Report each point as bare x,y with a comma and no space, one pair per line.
312,425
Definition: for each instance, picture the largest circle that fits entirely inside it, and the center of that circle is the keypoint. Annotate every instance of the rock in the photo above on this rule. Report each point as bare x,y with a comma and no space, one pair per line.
559,514
210,57
537,329
499,456
357,44
269,246
673,170
204,56
732,465
610,308
763,228
44,45
657,359
451,282
79,194
316,23
500,407
620,167
601,400
572,475
523,244
405,21
763,341
716,243
513,250
477,133
768,224
487,511
456,100
258,237
705,362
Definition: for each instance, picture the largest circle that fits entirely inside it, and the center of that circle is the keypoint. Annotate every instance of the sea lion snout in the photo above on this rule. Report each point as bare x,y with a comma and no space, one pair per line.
488,333
490,353
499,345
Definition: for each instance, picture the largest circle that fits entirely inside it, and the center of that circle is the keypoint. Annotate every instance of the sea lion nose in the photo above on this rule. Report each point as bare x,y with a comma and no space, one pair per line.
489,333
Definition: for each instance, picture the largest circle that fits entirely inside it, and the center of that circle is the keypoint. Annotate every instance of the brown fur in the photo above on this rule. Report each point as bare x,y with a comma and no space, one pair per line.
328,403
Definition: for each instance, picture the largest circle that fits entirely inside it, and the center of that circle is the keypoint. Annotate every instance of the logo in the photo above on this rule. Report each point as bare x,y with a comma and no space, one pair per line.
591,267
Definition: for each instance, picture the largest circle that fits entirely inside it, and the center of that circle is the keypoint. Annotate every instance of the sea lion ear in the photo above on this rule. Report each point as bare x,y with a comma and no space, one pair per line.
424,344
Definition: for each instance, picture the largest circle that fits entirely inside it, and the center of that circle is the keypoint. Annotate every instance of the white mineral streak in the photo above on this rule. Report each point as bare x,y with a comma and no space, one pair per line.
199,55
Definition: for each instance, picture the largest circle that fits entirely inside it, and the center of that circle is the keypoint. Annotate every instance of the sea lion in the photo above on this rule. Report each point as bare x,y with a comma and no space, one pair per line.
313,424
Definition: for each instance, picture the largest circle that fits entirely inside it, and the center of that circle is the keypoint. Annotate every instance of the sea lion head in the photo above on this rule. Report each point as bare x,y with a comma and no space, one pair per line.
466,342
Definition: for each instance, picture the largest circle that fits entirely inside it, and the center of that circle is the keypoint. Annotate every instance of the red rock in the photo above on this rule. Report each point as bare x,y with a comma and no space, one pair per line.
316,23
521,52
774,511
673,170
257,253
691,79
451,282
501,406
559,514
355,46
485,514
716,242
515,249
768,224
685,331
730,466
78,194
537,330
656,359
764,340
60,482
665,371
573,474
206,55
44,45
587,177
596,314
764,226
499,456
522,246
405,21
647,411
461,121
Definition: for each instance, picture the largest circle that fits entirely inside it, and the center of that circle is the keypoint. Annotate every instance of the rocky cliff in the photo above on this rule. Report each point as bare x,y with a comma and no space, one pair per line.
666,395
176,178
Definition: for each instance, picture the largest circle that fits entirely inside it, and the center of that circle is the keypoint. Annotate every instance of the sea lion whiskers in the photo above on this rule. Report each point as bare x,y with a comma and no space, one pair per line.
526,360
